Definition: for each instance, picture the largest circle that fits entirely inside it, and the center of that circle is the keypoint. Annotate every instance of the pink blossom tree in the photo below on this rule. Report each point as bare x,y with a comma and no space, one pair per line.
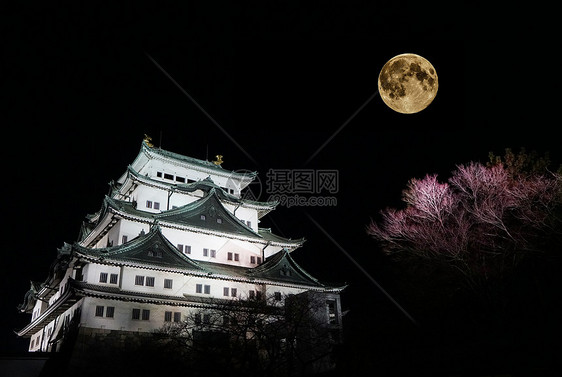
482,222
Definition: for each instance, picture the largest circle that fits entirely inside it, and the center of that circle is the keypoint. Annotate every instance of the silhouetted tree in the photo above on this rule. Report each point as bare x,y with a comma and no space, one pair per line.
251,337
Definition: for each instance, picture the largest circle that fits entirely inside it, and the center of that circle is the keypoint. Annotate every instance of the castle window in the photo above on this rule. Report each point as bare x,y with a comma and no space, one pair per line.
206,319
124,239
253,260
219,220
213,253
113,278
252,294
205,252
203,217
207,289
149,204
155,253
233,292
159,174
277,296
169,176
249,223
187,249
156,205
145,314
110,311
180,179
168,283
258,260
180,247
198,288
136,314
103,277
176,316
99,311
226,291
332,317
139,280
236,257
229,256
150,281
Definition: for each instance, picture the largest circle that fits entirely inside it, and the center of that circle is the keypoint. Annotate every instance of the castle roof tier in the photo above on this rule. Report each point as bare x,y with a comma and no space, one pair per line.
188,217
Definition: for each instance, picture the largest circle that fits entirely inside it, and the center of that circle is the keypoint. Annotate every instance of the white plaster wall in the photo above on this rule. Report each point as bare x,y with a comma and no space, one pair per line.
92,273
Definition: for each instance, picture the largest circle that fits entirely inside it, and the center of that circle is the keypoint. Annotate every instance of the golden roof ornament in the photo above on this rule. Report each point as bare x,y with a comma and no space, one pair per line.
147,140
218,160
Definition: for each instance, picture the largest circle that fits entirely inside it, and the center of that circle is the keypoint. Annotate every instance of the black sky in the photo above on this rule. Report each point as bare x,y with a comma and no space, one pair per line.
280,79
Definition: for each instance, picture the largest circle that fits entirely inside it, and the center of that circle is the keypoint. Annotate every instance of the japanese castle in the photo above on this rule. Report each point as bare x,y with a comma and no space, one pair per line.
174,235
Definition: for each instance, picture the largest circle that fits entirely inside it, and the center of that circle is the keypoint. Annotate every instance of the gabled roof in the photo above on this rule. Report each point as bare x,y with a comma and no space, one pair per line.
282,267
151,248
216,216
208,213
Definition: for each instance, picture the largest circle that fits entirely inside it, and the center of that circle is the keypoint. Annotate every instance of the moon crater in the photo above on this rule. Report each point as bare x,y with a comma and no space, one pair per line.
408,83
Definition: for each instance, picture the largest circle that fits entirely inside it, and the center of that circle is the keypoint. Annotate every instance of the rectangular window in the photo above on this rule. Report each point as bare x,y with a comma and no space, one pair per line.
180,247
207,289
197,318
205,252
159,174
148,204
169,176
139,280
253,260
332,317
145,314
219,220
110,311
187,249
124,238
167,316
277,296
150,281
203,217
252,294
177,316
136,314
180,179
113,278
99,311
198,288
249,223
258,259
233,292
156,205
103,277
236,257
213,253
226,291
206,319
168,283
229,256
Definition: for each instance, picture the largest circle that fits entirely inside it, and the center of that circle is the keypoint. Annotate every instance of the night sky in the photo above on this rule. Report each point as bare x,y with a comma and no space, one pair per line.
81,90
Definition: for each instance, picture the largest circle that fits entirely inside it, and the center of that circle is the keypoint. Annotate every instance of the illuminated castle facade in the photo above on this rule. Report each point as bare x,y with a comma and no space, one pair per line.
173,235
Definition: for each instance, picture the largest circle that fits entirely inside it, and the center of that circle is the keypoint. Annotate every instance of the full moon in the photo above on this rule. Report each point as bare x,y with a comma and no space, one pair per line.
408,83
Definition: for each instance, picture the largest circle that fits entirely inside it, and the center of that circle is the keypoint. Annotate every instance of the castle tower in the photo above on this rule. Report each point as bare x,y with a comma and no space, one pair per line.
173,235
